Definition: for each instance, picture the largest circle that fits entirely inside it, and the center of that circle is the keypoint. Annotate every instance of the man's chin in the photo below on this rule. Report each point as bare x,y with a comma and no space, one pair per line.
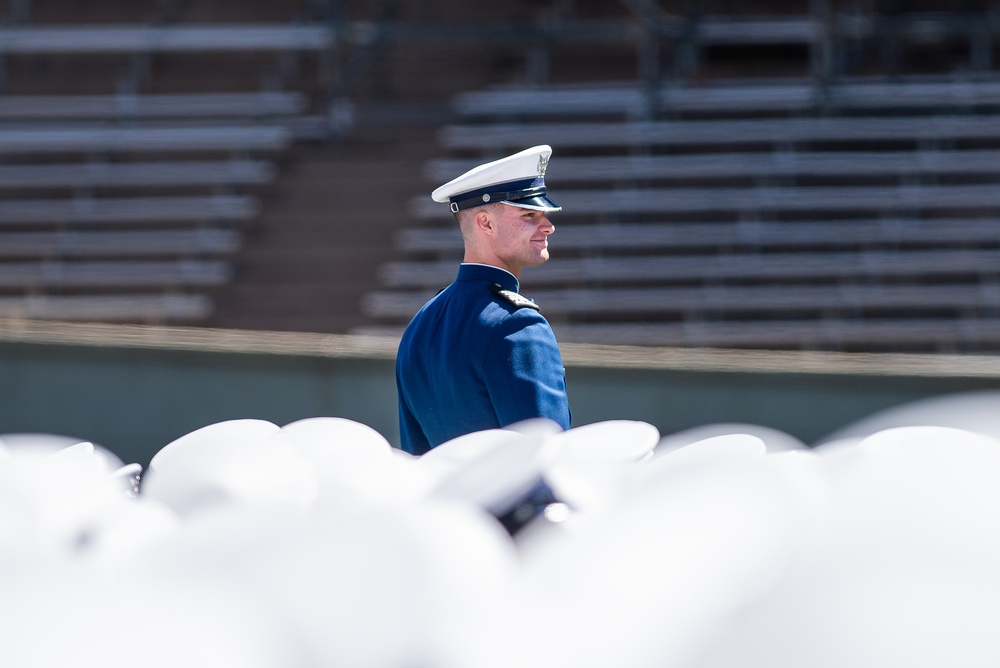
536,260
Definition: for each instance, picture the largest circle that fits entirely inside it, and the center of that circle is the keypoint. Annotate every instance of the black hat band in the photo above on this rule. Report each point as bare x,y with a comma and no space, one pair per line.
501,192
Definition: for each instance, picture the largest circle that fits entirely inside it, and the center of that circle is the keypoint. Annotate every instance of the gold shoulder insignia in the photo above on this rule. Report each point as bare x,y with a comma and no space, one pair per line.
520,301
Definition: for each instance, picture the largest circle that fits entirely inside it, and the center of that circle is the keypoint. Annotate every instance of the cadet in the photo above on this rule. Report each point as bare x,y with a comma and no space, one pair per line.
479,355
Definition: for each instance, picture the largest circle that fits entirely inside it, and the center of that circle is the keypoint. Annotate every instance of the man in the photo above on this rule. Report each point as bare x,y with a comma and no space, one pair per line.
479,355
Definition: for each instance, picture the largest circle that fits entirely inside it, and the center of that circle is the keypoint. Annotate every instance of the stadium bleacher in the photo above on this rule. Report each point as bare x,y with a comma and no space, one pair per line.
148,243
816,211
778,147
130,39
133,106
169,173
125,194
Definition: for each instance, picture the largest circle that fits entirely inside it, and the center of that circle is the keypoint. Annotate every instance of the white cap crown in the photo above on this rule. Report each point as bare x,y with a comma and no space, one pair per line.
518,179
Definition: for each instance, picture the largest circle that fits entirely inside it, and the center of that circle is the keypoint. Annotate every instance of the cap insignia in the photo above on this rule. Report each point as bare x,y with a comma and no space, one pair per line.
543,164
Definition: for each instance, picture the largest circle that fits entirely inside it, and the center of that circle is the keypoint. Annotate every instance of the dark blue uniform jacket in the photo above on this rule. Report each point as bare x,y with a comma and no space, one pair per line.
472,359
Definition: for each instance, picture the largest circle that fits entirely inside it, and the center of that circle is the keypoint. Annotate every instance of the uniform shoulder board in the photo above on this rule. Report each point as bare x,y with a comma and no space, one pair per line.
517,300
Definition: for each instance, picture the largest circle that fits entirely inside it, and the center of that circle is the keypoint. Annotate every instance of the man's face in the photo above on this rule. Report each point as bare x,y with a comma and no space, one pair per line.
522,236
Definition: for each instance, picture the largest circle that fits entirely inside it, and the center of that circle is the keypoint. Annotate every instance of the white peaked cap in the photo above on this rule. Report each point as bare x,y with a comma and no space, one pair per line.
518,179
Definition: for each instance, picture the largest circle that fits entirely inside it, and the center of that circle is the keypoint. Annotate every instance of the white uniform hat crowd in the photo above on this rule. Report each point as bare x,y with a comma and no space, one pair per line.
317,544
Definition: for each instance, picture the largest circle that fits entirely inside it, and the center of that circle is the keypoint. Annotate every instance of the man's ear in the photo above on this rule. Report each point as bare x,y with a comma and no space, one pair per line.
484,221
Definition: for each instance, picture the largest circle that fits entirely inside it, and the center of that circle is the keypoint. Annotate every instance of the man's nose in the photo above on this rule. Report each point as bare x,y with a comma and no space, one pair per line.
547,227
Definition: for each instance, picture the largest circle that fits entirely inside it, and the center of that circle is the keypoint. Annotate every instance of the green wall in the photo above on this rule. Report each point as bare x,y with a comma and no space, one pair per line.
805,405
135,399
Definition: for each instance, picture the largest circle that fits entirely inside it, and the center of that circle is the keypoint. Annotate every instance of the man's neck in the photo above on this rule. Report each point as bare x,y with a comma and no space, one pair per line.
515,272
486,264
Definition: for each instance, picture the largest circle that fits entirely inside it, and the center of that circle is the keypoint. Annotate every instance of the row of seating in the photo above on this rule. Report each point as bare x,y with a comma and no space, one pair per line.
445,241
104,39
90,139
157,274
717,267
834,332
146,106
625,135
145,308
639,101
643,303
87,210
774,164
763,199
131,174
118,243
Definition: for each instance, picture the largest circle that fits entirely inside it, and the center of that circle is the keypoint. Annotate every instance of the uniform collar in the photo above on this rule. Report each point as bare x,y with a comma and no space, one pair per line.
473,271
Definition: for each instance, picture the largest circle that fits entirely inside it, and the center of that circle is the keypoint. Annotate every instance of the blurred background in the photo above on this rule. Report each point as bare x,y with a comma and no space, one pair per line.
811,176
